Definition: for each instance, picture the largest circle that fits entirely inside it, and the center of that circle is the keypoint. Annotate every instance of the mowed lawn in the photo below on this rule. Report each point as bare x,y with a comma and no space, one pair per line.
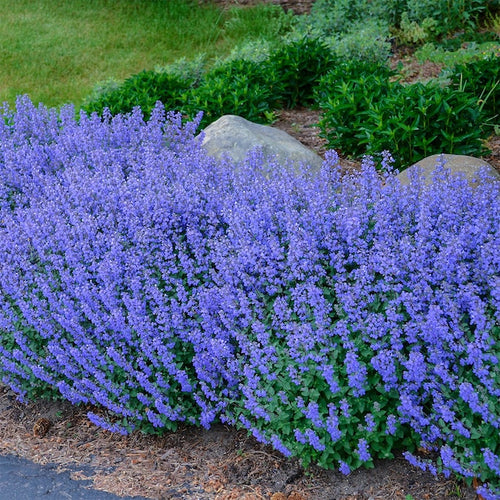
56,52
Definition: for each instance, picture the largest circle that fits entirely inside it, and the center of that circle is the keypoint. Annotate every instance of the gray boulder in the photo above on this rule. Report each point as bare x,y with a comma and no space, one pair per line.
236,137
457,164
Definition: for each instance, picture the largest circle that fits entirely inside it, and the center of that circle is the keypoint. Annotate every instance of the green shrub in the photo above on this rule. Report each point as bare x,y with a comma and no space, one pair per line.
240,87
187,69
330,17
254,50
450,15
366,41
233,87
356,69
254,88
481,80
370,113
344,96
249,87
299,65
414,33
143,90
353,30
493,21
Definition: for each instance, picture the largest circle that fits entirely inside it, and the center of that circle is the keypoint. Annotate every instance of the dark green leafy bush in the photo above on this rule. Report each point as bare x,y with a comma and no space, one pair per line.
370,113
299,66
239,87
143,90
450,15
252,89
481,79
248,88
346,71
350,89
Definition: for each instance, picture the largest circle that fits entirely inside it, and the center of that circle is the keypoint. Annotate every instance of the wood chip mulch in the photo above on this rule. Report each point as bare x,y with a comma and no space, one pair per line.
217,464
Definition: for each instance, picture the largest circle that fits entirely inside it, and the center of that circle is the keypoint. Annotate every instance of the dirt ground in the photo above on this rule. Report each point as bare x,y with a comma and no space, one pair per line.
195,464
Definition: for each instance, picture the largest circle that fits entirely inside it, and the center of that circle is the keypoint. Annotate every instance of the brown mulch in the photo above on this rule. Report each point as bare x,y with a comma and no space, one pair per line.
494,157
220,464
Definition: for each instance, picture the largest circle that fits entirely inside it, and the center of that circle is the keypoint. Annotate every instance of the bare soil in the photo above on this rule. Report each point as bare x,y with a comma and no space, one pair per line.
221,463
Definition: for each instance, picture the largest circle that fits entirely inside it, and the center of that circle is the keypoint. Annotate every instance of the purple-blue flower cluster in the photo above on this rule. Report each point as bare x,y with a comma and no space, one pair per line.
336,318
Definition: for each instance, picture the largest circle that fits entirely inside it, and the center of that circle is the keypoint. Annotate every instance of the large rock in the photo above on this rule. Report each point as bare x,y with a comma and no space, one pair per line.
236,137
457,164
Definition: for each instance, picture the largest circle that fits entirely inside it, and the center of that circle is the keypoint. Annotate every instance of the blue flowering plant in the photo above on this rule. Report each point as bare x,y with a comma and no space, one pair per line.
338,319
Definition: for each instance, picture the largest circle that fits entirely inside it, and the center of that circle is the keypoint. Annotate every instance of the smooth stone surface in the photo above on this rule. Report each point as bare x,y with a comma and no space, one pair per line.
457,164
236,137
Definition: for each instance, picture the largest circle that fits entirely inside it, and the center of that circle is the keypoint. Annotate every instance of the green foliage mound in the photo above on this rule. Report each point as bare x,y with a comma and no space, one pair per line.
299,66
365,112
238,87
365,29
244,87
481,79
354,30
142,90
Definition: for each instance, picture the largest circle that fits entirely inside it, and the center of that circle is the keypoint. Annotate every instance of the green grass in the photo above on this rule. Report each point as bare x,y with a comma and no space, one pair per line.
56,52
